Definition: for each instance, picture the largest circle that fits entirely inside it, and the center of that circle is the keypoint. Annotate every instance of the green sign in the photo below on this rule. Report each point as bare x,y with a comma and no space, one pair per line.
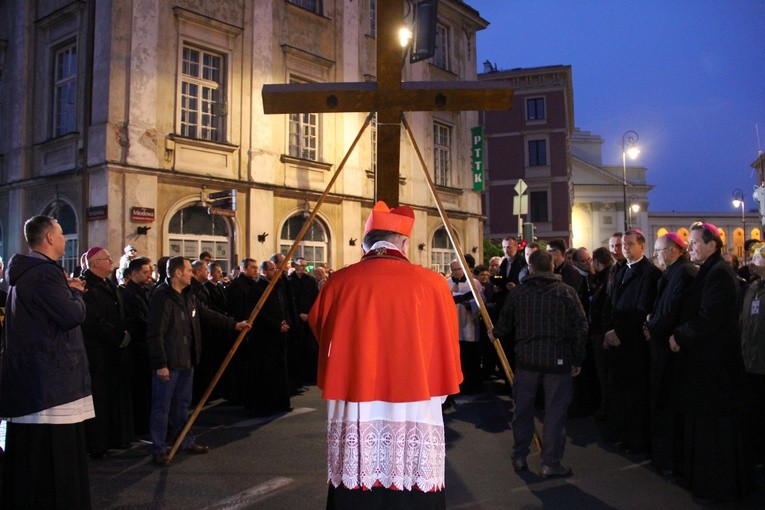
476,156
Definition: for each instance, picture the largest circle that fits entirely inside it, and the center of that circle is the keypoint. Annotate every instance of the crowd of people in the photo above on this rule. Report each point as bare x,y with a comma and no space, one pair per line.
128,350
668,352
665,351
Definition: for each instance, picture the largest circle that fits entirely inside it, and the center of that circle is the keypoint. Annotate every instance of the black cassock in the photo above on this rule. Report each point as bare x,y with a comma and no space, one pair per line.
633,299
666,428
709,385
104,332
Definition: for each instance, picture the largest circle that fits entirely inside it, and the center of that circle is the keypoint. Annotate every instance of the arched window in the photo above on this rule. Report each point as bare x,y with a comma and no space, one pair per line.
441,252
738,243
192,230
723,237
314,246
661,232
66,217
683,233
753,234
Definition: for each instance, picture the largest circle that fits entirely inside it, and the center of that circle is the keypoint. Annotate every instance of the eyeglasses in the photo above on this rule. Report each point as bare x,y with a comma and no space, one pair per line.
661,249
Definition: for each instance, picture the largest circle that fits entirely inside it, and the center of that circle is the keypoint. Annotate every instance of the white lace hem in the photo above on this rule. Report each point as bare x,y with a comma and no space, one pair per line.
401,455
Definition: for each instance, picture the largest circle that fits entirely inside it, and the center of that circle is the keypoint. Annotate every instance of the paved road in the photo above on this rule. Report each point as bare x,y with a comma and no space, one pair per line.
279,463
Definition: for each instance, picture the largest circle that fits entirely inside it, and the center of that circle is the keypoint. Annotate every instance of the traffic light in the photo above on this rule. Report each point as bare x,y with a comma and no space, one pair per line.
529,232
222,203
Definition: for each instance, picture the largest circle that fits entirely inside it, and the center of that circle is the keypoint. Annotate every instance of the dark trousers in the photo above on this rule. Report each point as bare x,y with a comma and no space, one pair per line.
558,391
170,400
45,466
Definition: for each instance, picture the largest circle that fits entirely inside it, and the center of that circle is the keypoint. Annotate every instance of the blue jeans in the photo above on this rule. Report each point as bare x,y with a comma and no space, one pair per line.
558,395
171,400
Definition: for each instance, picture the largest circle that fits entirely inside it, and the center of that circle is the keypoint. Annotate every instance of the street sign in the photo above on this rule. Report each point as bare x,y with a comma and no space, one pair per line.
522,202
521,187
477,158
222,203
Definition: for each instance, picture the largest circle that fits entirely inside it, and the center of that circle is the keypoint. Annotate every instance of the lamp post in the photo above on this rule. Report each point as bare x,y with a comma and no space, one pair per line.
634,207
629,147
738,201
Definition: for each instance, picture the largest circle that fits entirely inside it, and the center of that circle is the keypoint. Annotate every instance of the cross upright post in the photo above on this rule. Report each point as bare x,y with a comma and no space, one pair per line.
389,97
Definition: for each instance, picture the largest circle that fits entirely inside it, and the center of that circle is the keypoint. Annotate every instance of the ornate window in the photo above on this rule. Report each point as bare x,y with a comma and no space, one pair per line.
442,57
535,108
441,252
314,246
537,152
373,141
64,89
304,134
202,94
538,210
66,217
192,230
309,5
442,148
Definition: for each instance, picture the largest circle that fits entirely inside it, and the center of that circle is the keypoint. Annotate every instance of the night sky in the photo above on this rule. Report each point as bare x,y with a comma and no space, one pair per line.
688,76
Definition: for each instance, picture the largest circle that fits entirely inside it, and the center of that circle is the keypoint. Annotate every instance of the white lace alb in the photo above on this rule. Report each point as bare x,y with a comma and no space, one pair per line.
366,450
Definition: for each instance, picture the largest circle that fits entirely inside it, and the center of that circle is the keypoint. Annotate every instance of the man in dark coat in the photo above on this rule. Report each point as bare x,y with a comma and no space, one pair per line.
305,290
632,300
135,301
674,286
547,322
44,378
175,345
268,383
241,297
106,342
710,370
215,288
508,275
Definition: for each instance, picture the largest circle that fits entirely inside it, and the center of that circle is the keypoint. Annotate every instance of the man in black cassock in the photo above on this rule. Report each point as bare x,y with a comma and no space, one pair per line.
135,300
674,285
633,298
109,360
305,290
710,371
268,381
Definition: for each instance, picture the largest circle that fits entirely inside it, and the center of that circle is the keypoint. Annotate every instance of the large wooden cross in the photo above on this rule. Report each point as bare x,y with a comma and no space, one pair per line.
389,97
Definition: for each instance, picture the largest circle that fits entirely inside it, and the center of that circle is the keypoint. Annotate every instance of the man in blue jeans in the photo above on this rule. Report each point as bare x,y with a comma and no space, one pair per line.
175,345
546,323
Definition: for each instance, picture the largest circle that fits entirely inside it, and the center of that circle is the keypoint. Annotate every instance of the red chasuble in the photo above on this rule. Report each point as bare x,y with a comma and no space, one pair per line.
387,330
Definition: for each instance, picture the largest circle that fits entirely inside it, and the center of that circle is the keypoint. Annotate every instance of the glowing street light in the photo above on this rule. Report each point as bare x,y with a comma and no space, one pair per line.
629,148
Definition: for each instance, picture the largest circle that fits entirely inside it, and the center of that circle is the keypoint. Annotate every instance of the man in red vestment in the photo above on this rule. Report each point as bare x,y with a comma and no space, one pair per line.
388,357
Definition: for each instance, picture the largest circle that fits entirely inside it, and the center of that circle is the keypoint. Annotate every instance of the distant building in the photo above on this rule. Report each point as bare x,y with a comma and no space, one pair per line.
120,118
530,142
598,209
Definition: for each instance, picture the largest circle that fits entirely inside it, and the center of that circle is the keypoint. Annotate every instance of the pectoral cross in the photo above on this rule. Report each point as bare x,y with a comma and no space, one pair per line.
389,97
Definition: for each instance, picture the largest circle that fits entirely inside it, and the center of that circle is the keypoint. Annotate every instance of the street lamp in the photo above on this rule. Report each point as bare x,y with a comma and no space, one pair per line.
629,148
738,201
634,207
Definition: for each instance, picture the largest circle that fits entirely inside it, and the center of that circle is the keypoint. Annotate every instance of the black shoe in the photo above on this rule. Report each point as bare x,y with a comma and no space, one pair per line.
520,465
198,449
554,470
161,459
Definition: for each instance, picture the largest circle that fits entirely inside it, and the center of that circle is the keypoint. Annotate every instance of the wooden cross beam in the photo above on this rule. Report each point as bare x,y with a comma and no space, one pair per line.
389,97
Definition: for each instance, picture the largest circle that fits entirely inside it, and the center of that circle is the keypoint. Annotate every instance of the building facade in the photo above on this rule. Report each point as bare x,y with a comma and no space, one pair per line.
598,206
530,142
121,118
598,209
